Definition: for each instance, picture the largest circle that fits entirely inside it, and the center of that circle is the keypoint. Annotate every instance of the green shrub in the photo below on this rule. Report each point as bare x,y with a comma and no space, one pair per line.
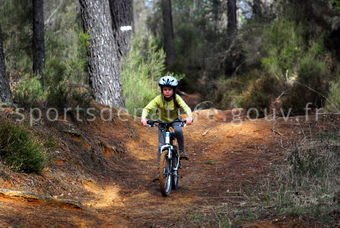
29,91
66,71
260,93
70,61
284,44
140,72
63,95
294,62
311,85
229,92
67,61
333,102
17,35
20,150
297,63
80,97
57,96
55,71
314,74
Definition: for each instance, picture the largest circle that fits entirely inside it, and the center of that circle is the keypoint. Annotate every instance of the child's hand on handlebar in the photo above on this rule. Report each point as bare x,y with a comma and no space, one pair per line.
144,122
189,120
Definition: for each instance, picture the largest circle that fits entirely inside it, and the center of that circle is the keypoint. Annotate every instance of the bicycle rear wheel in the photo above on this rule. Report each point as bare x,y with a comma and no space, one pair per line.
165,173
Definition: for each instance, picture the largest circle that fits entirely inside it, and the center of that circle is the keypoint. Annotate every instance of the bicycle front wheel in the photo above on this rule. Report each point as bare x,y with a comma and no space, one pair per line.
175,176
165,173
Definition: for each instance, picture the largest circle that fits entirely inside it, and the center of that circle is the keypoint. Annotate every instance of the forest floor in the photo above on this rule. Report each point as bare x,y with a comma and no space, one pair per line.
101,175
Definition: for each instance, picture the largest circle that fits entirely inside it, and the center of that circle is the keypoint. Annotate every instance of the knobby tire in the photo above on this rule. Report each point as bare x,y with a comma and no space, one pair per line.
175,178
164,174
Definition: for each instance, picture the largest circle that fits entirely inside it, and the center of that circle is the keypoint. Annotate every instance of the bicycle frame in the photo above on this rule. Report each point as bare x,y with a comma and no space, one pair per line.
168,171
168,146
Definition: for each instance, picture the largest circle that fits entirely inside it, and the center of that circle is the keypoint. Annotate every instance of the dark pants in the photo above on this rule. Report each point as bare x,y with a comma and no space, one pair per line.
179,136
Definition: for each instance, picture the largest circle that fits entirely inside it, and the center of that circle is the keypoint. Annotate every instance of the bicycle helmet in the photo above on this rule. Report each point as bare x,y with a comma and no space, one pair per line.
168,81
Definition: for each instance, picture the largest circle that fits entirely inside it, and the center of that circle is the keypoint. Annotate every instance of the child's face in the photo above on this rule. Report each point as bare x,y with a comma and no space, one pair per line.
167,92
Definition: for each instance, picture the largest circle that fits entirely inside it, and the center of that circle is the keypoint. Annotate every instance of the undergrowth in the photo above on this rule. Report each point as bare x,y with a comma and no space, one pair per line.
304,186
20,150
142,68
307,184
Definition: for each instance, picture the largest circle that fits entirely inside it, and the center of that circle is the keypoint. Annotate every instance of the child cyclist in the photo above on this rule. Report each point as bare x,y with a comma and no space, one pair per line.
168,103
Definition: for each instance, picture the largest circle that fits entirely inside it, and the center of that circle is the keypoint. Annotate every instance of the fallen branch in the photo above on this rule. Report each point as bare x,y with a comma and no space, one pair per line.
206,131
276,132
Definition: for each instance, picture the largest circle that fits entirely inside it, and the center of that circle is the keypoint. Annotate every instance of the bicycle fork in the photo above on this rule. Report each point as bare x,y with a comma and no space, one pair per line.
170,149
167,141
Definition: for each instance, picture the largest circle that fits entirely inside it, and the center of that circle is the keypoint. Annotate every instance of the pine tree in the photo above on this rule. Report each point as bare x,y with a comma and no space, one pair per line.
5,92
38,39
122,22
232,15
103,58
168,33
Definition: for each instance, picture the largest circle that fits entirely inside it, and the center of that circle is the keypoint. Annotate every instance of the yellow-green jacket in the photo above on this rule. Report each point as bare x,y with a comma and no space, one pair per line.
166,109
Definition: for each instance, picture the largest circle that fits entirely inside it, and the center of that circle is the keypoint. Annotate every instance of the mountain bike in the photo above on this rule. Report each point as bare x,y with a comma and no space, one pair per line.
169,158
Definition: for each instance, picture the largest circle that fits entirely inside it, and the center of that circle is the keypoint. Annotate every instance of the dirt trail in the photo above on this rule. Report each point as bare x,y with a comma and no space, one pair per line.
227,160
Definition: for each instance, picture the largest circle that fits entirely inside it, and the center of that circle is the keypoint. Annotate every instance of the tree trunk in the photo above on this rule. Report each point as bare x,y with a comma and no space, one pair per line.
215,11
122,23
257,8
168,33
103,61
232,17
38,39
5,92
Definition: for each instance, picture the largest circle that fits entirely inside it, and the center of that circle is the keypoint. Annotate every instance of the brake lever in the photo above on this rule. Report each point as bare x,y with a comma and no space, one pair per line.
150,123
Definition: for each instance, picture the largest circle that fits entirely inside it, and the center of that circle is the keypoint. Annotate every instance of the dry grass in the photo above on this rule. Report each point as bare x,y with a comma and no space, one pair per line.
307,184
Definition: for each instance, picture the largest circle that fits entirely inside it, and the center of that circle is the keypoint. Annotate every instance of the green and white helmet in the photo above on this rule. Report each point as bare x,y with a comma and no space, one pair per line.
168,81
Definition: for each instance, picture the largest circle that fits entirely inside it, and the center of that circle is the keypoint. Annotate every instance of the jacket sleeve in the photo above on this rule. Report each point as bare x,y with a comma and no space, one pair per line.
152,105
184,106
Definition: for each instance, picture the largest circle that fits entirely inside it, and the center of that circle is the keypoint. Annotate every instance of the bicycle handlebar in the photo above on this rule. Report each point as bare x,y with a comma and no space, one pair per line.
152,123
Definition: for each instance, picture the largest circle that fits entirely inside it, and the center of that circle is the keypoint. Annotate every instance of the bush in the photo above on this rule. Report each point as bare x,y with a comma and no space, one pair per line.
57,96
283,42
17,35
67,61
140,72
20,150
311,85
260,93
229,91
68,68
296,63
66,73
333,102
70,61
29,91
63,95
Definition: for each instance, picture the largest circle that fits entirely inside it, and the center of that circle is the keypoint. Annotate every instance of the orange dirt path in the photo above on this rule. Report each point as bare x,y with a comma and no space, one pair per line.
226,161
